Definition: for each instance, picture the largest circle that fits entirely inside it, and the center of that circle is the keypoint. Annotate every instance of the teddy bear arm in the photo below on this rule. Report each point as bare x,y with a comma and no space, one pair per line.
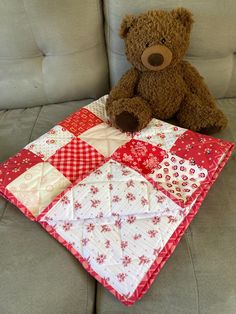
125,87
127,111
195,84
196,116
198,110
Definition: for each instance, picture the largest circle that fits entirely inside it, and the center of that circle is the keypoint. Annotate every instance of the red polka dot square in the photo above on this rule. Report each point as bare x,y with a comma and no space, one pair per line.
177,178
76,159
80,121
201,150
16,165
139,155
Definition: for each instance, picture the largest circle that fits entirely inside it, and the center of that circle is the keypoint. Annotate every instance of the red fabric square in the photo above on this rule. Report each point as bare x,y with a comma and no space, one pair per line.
139,155
16,165
76,159
80,121
199,149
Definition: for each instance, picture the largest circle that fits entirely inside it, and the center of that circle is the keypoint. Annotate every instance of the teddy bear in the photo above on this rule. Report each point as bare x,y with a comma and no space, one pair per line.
160,84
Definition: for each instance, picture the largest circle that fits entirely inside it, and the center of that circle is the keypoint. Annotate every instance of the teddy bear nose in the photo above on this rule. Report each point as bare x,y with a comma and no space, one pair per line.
155,59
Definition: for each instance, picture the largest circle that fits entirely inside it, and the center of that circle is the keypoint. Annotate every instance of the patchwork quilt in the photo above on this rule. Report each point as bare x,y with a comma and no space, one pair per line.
118,202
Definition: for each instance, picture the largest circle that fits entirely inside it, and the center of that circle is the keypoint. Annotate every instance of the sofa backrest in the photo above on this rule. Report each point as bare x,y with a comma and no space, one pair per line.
51,51
213,40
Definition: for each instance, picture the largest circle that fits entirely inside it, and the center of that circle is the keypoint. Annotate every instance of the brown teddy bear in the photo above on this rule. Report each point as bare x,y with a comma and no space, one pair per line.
160,84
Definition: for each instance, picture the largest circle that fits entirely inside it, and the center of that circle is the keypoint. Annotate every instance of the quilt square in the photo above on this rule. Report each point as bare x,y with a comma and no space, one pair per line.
99,109
76,159
105,138
140,155
178,177
38,186
114,218
16,165
80,121
101,244
201,150
160,133
46,145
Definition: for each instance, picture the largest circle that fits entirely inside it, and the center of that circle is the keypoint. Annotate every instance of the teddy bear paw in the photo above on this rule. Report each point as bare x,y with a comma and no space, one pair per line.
127,121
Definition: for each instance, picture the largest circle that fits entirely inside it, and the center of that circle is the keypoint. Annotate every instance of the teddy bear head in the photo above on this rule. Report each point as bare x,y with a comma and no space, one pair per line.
157,39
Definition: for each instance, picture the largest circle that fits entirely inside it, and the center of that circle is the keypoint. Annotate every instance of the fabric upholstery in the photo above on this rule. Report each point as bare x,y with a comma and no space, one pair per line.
34,267
51,51
37,274
213,40
200,275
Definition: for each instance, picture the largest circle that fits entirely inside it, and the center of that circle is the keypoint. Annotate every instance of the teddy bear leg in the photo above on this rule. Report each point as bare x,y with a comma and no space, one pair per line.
130,114
196,116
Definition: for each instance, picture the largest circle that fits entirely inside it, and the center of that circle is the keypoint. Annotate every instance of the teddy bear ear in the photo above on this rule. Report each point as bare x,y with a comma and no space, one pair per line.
184,16
126,24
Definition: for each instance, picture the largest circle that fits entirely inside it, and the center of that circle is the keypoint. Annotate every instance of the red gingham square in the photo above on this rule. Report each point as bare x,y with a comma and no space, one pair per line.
139,155
202,150
76,159
16,165
80,121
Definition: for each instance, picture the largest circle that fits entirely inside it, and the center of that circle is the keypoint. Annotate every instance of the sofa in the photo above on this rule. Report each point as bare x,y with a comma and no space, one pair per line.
58,56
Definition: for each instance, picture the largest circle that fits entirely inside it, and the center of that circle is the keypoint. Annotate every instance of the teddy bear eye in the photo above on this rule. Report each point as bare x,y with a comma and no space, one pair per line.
163,40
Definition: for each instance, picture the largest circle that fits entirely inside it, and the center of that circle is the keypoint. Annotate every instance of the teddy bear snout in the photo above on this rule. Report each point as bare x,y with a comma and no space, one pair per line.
156,57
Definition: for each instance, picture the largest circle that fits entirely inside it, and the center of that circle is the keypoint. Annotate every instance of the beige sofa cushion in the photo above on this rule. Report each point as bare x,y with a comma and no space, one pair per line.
213,41
51,51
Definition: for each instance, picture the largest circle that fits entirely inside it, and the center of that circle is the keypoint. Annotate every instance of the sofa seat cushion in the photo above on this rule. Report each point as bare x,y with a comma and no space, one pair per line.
200,275
37,274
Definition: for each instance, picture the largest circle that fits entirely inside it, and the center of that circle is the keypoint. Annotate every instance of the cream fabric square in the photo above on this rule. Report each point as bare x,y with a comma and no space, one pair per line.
38,186
98,107
47,144
160,133
105,138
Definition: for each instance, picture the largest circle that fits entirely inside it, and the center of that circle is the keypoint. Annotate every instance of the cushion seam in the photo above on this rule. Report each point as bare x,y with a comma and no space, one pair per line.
193,268
4,212
35,122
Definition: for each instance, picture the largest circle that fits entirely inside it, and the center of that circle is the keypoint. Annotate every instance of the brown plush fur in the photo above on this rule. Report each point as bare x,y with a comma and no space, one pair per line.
177,90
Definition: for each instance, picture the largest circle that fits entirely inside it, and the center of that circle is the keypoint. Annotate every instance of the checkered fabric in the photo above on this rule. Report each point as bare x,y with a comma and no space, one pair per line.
76,159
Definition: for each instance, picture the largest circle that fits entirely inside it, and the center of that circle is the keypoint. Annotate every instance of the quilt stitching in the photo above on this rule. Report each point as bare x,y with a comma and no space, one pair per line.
17,165
105,138
127,209
161,257
88,198
76,159
80,121
47,145
160,134
140,155
200,150
36,187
